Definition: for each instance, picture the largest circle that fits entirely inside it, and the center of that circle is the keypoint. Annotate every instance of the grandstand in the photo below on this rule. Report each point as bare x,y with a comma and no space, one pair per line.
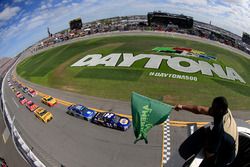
246,38
160,18
153,21
75,24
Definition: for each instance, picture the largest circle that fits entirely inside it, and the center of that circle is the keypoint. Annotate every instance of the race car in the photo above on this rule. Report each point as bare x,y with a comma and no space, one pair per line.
32,92
31,106
25,89
19,85
3,162
18,94
22,100
12,88
43,115
111,120
48,100
81,112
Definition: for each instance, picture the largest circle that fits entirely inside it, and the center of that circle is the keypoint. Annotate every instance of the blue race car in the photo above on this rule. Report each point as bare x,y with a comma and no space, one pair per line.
111,120
81,112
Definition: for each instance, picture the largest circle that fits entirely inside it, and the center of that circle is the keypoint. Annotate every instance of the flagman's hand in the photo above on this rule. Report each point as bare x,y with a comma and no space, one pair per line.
178,107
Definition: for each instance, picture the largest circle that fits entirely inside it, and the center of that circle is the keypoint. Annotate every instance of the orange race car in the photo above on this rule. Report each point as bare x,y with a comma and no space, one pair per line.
48,100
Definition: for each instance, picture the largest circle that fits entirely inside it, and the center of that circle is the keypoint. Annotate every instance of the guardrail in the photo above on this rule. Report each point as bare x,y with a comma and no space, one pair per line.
22,148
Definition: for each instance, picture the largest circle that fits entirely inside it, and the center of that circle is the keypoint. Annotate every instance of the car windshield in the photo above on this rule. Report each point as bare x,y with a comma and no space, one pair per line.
80,107
43,113
49,99
31,104
21,98
116,119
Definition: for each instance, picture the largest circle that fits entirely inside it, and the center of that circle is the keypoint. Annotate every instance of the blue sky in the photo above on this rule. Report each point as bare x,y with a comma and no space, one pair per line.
24,22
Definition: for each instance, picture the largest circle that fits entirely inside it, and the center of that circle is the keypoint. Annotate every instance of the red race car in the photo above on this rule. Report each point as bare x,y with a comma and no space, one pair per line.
3,162
22,100
31,106
32,92
18,94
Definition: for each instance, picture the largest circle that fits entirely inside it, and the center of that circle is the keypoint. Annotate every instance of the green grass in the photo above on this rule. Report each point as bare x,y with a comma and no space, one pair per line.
52,69
110,74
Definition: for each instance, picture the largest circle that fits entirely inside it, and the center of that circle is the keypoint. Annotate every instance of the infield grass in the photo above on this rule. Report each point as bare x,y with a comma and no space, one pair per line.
52,69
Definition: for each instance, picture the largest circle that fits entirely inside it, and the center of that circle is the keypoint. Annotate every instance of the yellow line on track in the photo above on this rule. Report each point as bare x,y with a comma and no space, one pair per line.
172,123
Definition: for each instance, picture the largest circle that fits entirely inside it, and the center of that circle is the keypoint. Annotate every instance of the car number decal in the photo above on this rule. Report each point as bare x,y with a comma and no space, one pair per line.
124,121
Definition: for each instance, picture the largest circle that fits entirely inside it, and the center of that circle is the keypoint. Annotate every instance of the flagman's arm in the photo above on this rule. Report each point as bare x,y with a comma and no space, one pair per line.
192,108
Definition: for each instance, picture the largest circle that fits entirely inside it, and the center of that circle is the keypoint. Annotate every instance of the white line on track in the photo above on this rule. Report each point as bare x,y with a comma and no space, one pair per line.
15,102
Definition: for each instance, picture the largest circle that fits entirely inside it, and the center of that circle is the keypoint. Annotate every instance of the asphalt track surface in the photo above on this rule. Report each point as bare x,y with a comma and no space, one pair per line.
73,142
8,150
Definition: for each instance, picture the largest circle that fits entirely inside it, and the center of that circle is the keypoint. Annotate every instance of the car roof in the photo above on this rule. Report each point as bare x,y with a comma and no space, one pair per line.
40,109
78,106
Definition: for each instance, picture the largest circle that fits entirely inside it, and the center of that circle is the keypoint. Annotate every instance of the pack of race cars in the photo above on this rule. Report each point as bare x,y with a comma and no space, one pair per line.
39,112
106,119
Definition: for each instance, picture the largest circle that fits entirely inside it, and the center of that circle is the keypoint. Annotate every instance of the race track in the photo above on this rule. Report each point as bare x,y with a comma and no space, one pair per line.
73,142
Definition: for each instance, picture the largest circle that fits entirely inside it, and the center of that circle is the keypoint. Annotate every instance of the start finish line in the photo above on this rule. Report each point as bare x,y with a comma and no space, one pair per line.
154,62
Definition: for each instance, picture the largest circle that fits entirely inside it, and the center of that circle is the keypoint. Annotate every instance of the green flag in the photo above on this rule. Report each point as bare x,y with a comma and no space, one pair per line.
146,113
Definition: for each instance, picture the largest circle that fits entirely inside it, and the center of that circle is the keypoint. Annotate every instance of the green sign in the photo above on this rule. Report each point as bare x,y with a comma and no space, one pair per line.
164,49
146,113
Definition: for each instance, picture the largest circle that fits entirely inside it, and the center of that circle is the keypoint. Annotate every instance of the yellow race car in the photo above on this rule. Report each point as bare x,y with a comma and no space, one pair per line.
43,115
48,100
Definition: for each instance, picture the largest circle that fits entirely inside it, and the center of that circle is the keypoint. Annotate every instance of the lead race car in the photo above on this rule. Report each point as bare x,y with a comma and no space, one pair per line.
111,120
81,112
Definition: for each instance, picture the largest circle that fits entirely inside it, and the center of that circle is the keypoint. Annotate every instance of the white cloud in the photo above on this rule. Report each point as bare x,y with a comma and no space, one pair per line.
28,2
191,2
66,1
8,13
237,1
232,15
18,1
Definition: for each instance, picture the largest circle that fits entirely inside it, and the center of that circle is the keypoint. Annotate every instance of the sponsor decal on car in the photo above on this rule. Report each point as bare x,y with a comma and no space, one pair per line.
124,121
